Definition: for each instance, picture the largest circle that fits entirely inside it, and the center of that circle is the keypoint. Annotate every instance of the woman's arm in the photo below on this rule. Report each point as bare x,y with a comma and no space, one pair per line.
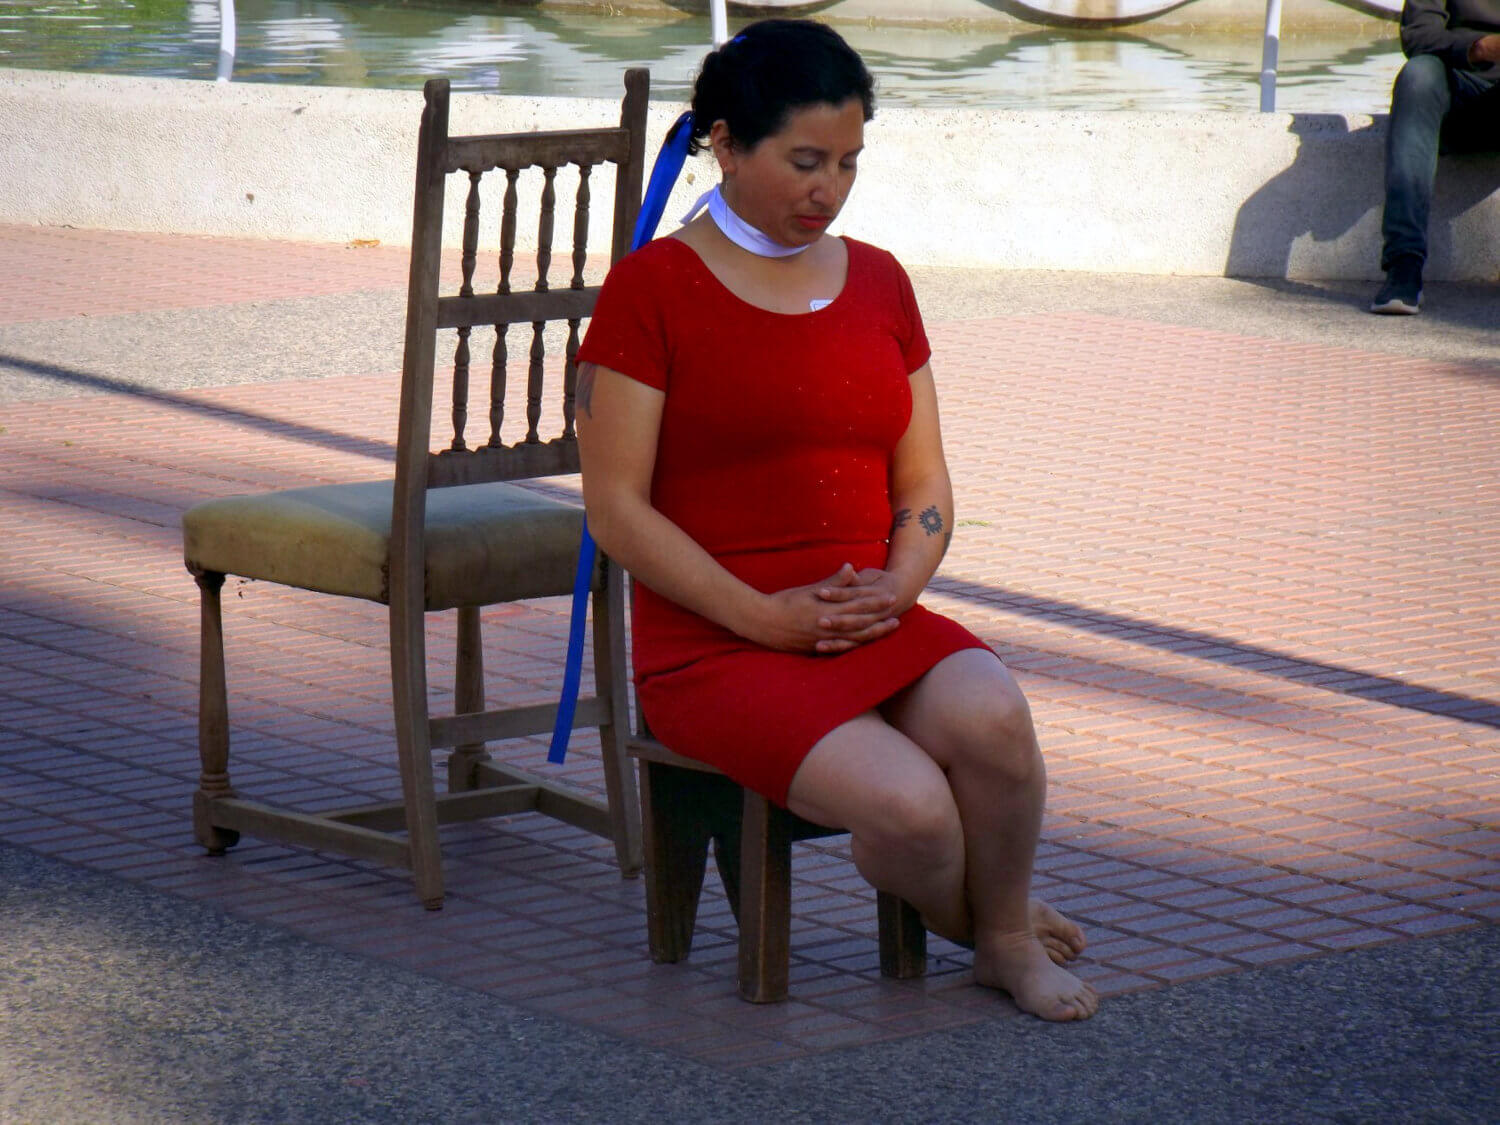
921,503
921,495
619,422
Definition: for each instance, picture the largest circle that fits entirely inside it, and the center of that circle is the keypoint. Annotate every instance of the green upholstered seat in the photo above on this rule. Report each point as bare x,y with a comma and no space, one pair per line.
485,543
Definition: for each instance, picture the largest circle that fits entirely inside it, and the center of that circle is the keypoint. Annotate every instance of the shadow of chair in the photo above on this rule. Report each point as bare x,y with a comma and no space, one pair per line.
685,805
448,532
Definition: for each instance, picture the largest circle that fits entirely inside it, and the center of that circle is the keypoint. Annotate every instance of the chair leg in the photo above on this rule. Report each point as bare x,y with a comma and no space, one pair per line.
611,685
468,698
676,840
765,901
414,749
903,938
213,717
727,842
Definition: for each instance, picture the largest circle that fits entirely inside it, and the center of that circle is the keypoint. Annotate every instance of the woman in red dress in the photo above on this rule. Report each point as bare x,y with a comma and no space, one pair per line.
761,450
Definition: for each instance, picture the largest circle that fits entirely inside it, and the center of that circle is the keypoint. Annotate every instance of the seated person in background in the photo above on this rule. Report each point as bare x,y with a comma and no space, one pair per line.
759,431
1447,92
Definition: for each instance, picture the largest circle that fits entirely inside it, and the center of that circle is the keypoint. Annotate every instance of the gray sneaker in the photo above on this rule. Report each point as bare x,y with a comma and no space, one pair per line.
1402,292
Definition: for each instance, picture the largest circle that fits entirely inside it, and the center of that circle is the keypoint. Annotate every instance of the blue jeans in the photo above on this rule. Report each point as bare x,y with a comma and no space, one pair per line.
1433,109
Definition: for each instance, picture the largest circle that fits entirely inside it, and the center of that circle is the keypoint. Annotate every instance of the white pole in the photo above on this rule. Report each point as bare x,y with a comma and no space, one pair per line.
718,22
1268,57
226,39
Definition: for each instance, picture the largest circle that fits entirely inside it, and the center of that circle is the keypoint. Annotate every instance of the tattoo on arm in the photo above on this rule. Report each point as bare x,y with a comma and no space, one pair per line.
931,520
900,520
587,374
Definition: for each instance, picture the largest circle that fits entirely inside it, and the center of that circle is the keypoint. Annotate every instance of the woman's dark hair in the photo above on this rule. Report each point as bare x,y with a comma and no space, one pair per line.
755,81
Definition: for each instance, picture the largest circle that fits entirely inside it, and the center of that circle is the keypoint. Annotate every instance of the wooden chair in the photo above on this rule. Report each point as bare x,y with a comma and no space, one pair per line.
685,804
447,532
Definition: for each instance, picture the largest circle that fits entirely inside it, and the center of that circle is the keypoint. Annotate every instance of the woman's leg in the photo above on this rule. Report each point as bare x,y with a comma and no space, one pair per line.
869,778
897,803
970,716
924,823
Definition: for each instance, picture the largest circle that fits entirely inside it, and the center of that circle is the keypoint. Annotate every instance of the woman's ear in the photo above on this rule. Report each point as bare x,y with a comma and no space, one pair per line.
723,147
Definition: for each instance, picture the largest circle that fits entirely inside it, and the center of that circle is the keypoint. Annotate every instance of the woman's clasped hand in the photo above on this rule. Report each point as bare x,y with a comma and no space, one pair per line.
847,608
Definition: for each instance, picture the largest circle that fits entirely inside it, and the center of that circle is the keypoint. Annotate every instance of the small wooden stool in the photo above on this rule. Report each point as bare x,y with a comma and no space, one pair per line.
684,805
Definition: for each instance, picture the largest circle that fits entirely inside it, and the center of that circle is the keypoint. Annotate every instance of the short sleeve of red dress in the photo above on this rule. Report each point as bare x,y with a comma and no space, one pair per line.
774,454
628,332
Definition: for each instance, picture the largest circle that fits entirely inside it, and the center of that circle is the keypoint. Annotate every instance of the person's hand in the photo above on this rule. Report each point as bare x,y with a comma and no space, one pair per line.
827,617
1485,50
871,580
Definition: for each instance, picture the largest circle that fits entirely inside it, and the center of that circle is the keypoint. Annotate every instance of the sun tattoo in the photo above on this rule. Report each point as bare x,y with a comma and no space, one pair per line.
587,374
931,520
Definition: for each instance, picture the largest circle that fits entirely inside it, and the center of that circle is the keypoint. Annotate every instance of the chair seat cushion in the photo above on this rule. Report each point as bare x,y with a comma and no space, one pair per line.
485,543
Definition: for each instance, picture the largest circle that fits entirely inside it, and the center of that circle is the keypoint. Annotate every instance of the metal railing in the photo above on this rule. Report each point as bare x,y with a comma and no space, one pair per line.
718,21
226,40
1270,47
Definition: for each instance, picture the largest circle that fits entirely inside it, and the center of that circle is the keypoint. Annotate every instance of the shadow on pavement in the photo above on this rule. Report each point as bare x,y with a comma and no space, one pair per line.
281,427
1207,646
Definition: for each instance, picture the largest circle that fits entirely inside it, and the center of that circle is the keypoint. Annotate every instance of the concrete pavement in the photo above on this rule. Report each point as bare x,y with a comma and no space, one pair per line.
122,1005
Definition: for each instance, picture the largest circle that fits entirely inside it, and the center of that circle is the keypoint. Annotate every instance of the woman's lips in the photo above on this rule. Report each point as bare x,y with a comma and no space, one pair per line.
813,222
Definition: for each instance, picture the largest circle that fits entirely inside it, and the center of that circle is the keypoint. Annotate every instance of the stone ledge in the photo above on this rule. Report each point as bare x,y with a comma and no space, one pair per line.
1242,194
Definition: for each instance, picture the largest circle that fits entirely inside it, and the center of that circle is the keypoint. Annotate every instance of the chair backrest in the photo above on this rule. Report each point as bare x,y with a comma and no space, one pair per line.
431,315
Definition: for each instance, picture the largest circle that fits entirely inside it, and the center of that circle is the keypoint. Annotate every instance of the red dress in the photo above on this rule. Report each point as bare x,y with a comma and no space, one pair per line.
774,455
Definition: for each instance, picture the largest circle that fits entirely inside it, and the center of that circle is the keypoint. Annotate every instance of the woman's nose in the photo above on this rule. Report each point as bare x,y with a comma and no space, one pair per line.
826,189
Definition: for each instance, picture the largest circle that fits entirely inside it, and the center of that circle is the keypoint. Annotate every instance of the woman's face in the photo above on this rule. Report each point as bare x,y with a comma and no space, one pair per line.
794,182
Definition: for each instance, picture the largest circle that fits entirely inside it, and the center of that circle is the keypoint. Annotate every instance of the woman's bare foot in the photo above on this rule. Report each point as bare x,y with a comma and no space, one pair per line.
1061,938
1020,965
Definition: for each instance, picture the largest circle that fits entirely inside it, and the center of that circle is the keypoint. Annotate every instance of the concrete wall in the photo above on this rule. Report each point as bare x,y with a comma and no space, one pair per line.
1254,195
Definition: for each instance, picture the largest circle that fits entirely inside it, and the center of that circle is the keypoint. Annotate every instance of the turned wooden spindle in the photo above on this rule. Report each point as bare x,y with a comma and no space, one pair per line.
508,229
466,289
534,382
501,357
580,257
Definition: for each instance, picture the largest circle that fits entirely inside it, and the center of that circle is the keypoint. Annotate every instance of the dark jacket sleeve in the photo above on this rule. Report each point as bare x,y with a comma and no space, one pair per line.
1425,31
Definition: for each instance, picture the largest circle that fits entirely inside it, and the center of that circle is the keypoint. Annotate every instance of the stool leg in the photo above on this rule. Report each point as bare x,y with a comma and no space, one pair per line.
765,901
903,938
728,830
676,837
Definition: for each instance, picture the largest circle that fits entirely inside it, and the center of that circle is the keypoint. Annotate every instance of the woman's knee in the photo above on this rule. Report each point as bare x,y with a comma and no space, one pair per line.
919,824
1000,735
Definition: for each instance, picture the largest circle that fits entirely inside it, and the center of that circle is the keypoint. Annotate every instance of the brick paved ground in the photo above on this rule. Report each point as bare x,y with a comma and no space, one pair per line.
1248,584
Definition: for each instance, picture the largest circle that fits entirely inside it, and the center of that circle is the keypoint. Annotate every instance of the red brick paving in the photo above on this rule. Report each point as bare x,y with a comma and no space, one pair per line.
58,271
1248,585
53,272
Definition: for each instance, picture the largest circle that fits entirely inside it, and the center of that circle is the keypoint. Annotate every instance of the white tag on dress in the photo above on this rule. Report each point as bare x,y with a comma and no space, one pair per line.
819,303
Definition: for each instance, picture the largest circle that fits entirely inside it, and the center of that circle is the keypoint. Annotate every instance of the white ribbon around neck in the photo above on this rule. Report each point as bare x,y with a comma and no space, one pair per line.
739,232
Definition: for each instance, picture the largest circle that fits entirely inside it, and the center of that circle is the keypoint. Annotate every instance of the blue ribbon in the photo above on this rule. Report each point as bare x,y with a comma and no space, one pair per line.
664,174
